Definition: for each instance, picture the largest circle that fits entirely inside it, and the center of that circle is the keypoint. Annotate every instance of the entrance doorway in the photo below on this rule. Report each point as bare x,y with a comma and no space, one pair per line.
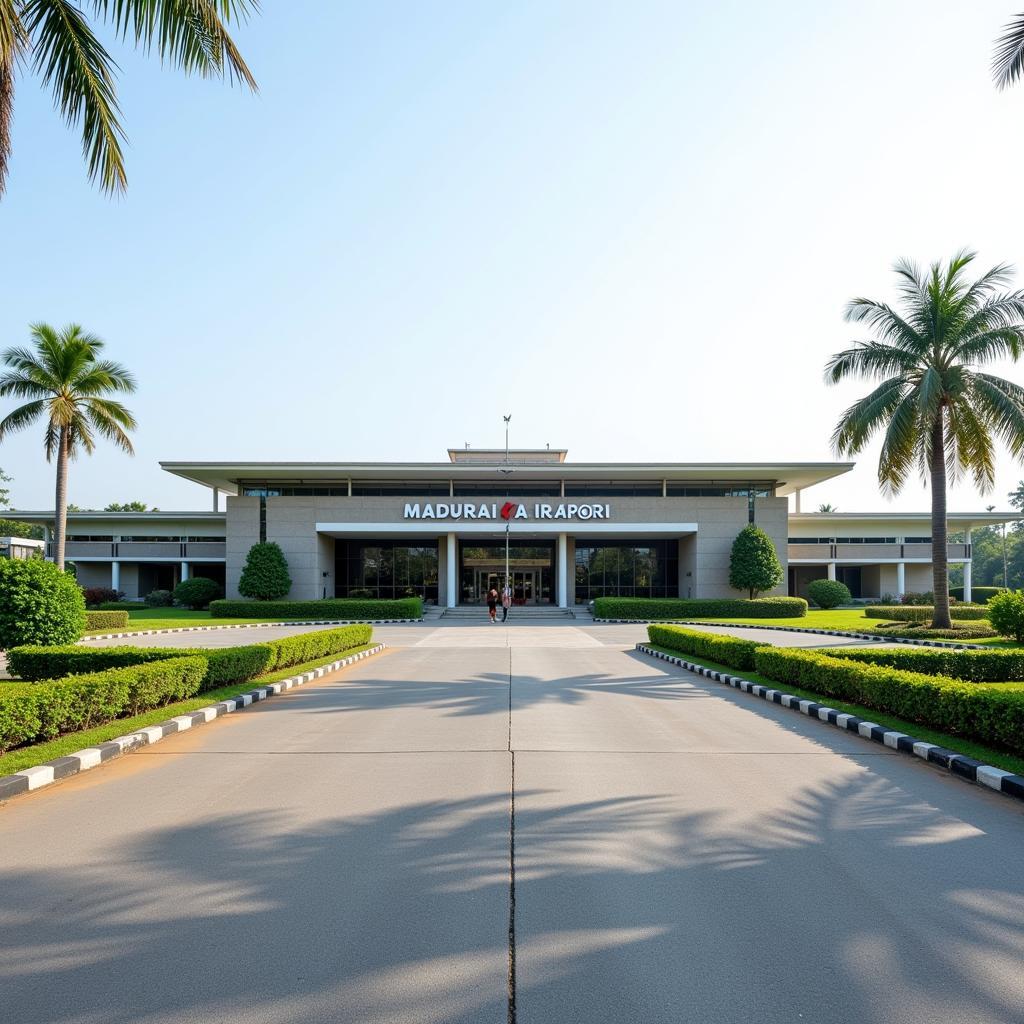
530,572
525,584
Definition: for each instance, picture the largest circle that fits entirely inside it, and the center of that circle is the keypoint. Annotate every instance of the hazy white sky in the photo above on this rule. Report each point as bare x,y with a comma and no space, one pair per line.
634,226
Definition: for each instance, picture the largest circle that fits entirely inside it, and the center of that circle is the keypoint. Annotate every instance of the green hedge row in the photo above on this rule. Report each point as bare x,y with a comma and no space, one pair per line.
997,666
965,631
329,608
923,612
120,606
646,608
979,595
95,621
32,712
725,650
224,664
987,714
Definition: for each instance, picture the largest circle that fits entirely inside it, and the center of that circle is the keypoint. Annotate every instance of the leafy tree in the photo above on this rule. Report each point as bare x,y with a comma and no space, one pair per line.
129,506
265,575
39,604
754,564
1008,62
5,493
55,39
68,388
939,412
16,528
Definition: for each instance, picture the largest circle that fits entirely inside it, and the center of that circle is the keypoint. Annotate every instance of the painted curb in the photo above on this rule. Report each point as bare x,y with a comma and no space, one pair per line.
40,775
248,625
957,764
800,629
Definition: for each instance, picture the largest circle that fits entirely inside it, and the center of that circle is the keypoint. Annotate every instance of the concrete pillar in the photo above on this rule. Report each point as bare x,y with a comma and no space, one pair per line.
184,571
453,571
115,575
967,581
831,570
796,501
901,578
562,568
216,498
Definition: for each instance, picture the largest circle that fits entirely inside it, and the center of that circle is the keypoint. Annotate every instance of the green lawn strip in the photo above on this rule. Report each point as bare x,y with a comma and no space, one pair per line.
26,757
998,758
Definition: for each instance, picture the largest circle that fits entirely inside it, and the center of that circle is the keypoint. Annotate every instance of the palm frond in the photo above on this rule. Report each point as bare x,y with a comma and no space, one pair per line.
1002,404
864,418
969,446
868,359
105,376
73,62
1008,60
885,322
22,417
900,448
111,420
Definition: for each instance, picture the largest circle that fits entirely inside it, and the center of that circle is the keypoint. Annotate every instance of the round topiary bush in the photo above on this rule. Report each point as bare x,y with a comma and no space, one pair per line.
1006,613
39,604
754,564
265,575
829,593
159,599
197,592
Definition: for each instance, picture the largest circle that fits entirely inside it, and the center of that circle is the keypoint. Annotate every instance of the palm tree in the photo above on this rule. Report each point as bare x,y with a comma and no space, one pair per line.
67,387
55,39
938,410
827,508
1008,62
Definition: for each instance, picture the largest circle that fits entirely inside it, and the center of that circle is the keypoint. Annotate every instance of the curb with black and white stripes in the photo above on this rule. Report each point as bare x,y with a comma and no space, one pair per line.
958,764
40,775
881,637
248,625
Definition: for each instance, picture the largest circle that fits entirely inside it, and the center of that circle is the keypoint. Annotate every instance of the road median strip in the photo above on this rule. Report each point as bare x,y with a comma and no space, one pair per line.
957,764
29,779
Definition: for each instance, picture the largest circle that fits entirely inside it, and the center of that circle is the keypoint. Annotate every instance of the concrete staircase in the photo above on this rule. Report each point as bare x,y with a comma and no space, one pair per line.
530,612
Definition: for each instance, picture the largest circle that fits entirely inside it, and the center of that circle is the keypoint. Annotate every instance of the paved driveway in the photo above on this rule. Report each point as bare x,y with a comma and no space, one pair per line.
682,851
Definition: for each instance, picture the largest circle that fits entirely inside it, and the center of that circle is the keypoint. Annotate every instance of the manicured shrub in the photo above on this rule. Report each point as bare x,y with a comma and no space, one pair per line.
95,596
95,621
912,598
965,631
924,613
979,595
988,714
644,609
197,592
993,666
754,564
159,599
724,650
829,593
119,606
294,650
265,575
1006,613
39,604
329,608
30,712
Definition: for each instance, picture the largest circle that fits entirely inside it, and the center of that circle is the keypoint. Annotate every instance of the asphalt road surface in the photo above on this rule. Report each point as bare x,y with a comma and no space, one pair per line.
344,853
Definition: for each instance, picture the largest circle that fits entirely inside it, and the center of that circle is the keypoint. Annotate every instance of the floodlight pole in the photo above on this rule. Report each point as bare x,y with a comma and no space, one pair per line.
508,522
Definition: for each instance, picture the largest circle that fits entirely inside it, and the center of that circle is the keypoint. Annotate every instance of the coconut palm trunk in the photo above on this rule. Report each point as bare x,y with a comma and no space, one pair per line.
60,518
940,551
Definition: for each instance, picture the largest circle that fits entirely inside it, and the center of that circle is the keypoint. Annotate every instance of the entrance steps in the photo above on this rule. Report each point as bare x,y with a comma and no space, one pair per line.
533,612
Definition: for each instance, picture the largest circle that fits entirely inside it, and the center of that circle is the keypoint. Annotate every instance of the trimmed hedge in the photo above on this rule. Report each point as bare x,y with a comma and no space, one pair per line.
829,593
988,714
31,712
328,608
120,606
646,608
725,650
105,620
924,612
997,666
39,604
965,631
224,664
979,595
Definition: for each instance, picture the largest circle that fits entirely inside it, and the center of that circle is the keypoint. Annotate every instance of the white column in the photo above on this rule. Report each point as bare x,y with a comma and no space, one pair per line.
115,575
184,571
563,572
796,496
967,581
216,498
831,570
901,578
453,571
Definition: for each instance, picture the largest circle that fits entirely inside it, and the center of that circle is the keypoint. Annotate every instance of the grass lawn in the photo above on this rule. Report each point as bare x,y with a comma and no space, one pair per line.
169,618
26,757
989,755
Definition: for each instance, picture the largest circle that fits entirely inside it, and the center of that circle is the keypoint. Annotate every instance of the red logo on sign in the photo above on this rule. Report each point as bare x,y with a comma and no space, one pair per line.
508,510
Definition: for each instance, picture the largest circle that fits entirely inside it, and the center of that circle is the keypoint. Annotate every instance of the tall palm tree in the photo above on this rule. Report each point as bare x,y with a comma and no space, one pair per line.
67,387
1008,62
56,40
938,410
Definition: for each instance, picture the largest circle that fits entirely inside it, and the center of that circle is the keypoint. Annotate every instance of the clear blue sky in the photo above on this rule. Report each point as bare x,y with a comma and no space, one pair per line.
634,226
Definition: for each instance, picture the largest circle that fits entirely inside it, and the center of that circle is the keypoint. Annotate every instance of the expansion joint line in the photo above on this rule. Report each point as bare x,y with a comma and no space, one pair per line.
511,859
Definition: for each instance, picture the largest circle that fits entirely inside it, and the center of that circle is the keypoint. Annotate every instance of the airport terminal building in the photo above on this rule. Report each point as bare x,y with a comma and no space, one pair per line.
575,531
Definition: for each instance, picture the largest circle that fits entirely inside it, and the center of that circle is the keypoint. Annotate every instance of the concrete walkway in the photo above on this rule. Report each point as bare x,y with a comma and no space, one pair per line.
681,852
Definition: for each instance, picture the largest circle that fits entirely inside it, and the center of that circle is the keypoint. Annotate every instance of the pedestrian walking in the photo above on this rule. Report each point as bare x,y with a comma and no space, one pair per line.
506,601
492,604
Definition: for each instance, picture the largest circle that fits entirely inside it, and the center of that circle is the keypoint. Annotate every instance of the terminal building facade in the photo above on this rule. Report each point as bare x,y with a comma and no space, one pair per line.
575,531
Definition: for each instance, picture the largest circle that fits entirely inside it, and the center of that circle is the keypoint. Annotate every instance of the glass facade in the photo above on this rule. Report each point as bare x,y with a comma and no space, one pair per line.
384,568
626,569
531,569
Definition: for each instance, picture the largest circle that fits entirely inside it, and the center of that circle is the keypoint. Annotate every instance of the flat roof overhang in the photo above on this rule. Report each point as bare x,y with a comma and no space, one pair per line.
788,476
107,517
966,519
524,530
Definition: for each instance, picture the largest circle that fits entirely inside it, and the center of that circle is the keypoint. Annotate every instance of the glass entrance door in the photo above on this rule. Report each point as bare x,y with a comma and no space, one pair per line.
525,585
